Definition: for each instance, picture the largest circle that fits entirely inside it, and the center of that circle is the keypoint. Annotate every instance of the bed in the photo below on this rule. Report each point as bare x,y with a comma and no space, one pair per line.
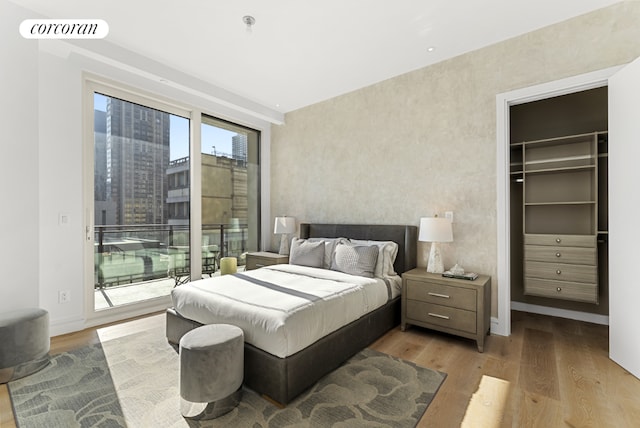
287,367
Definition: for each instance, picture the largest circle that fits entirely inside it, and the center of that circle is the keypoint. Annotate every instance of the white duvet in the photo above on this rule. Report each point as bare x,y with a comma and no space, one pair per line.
282,309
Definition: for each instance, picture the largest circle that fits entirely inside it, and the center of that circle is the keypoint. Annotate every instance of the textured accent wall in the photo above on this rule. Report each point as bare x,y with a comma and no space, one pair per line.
425,142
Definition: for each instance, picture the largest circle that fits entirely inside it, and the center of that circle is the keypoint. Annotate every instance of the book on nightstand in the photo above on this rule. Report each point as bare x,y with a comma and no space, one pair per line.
469,275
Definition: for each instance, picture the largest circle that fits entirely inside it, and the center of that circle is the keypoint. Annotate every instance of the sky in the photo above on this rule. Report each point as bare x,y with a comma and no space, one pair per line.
179,134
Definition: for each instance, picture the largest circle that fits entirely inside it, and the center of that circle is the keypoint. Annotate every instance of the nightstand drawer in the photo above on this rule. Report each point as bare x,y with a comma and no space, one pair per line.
570,255
261,258
257,262
439,294
561,272
443,316
252,264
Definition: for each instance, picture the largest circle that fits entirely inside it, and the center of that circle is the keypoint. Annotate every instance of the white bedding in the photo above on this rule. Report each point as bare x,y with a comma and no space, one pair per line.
275,320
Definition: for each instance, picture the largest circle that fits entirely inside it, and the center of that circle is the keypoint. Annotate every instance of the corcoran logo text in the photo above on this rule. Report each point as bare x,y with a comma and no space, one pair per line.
64,29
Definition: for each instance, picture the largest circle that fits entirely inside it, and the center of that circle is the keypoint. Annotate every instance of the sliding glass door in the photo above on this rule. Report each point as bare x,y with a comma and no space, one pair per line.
152,225
135,149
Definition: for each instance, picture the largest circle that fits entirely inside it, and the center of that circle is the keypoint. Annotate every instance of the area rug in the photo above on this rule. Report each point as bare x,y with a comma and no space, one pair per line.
74,390
133,381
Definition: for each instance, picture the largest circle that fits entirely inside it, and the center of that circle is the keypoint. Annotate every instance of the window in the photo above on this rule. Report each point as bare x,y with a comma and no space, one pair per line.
142,193
230,189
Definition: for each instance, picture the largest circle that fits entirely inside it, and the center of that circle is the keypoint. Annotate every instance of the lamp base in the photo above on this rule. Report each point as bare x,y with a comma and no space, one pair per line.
435,265
284,244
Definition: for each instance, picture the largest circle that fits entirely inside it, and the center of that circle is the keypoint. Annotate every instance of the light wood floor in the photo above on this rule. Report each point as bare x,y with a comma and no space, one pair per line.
550,372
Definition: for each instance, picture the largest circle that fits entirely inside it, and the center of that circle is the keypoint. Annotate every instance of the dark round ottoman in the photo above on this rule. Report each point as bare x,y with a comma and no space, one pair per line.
211,370
24,335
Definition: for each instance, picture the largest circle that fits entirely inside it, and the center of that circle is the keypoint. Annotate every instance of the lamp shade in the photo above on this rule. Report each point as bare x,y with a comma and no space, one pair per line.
228,265
235,225
284,225
435,229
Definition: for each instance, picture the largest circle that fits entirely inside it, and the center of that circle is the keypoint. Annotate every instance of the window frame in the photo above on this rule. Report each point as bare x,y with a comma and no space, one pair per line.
92,83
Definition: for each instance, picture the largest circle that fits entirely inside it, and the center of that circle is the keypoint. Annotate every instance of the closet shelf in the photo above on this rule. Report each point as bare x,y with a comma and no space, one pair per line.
555,141
560,203
559,169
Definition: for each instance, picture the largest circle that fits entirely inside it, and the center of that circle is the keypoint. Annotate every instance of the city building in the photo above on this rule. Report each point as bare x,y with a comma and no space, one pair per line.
137,151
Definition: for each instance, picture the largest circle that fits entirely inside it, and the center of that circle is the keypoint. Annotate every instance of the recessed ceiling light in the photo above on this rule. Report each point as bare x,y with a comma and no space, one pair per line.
248,21
431,49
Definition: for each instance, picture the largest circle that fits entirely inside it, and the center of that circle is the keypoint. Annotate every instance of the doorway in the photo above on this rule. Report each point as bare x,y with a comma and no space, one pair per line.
504,102
558,194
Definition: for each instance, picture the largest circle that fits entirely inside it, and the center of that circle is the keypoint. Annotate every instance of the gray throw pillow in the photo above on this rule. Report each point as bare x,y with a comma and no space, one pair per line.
355,259
329,245
306,253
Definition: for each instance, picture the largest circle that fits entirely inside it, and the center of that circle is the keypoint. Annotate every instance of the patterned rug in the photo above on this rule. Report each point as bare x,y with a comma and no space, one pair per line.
74,390
133,381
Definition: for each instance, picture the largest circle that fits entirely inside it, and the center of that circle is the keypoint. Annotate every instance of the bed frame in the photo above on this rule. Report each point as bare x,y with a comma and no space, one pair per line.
283,379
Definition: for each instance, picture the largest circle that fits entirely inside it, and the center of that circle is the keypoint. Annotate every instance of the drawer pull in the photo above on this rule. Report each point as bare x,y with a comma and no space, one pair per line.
558,271
444,296
559,289
558,254
558,240
259,265
438,316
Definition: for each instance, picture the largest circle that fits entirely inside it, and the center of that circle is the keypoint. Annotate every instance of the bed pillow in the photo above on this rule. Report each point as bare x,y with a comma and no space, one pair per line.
305,253
355,259
329,246
388,251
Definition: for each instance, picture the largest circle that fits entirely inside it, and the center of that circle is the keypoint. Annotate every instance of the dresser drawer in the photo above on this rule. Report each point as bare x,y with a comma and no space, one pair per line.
440,294
561,290
443,316
561,272
569,255
588,241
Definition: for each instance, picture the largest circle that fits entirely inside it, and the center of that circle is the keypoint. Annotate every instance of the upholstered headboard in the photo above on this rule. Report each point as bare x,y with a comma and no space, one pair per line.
405,236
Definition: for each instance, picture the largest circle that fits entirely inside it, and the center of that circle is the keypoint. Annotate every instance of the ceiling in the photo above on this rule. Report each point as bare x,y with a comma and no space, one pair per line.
302,52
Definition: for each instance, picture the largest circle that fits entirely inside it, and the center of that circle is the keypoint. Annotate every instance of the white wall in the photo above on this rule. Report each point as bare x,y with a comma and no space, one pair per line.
42,154
60,185
19,157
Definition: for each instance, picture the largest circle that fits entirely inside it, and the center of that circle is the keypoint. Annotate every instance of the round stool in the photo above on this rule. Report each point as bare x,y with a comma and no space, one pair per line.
211,370
24,335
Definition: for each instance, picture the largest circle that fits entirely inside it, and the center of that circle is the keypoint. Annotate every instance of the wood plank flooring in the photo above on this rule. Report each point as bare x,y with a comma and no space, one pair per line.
557,374
551,372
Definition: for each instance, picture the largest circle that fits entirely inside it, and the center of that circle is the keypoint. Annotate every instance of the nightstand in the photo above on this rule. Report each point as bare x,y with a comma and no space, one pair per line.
456,306
262,258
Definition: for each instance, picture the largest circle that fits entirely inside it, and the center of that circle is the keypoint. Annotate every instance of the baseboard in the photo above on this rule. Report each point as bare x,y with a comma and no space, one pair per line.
495,326
63,326
128,311
561,313
71,325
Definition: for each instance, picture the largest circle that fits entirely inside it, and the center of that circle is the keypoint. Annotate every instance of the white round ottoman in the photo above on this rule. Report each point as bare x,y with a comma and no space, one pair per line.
211,370
24,343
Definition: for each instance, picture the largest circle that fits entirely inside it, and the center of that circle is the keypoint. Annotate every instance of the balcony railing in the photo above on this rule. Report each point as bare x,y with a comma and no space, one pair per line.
137,253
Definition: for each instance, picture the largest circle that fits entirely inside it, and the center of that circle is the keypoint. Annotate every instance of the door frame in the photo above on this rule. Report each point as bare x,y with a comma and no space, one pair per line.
504,101
95,83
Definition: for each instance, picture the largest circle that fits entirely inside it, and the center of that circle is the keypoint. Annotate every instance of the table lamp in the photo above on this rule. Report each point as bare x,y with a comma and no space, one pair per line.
284,226
435,230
